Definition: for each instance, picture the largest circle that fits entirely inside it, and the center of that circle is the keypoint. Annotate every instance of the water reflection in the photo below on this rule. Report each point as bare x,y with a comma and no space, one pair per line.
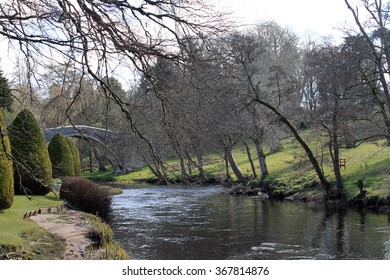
206,223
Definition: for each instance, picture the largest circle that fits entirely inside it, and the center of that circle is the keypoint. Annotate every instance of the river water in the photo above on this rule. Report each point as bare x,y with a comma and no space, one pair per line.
203,223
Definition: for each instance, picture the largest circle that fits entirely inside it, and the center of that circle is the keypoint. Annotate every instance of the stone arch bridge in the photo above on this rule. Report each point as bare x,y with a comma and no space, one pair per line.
101,136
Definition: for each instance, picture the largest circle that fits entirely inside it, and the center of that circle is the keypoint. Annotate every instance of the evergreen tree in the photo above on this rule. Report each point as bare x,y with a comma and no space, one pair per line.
5,93
6,171
32,166
61,156
76,157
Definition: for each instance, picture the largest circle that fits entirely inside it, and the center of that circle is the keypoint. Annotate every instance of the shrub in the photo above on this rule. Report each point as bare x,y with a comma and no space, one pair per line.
6,170
86,196
76,157
61,156
32,166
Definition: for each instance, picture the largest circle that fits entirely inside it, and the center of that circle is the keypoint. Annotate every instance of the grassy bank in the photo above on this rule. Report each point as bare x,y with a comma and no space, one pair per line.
290,170
99,176
106,247
23,237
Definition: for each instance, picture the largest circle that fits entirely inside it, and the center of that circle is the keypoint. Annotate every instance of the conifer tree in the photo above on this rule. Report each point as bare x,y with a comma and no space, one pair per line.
32,166
6,171
76,157
61,156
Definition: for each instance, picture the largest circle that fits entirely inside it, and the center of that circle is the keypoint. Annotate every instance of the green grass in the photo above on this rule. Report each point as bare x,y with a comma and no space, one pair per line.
107,248
99,176
12,219
291,169
24,238
141,174
369,162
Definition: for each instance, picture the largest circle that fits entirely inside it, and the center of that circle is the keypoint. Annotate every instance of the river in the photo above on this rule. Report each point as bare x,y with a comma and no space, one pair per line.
204,223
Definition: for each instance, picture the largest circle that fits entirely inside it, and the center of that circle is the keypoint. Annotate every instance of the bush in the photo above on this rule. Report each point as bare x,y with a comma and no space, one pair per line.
32,166
76,157
87,196
61,156
6,170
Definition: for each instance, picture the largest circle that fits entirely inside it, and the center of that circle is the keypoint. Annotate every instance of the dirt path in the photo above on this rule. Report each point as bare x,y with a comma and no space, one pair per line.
69,225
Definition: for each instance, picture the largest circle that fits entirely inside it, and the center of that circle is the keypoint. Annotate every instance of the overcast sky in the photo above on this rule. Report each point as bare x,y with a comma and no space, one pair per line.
322,17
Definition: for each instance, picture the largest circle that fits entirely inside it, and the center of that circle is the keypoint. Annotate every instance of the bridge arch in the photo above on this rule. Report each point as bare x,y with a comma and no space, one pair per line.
101,136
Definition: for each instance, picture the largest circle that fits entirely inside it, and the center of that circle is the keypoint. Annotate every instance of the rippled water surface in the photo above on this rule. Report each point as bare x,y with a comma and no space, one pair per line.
203,223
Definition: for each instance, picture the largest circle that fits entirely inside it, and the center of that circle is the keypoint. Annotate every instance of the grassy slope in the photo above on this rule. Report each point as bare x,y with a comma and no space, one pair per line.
369,162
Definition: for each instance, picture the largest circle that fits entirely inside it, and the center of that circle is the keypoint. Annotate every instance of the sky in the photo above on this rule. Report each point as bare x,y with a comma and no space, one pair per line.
304,17
321,17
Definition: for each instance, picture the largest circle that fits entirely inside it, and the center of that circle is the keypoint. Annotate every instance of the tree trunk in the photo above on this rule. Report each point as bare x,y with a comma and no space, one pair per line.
261,157
160,174
189,166
183,170
236,169
348,140
99,161
321,176
336,166
199,166
90,161
336,153
382,108
227,172
250,160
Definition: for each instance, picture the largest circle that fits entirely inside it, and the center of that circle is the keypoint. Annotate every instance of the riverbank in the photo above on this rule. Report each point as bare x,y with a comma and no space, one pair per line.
72,228
66,235
291,175
41,228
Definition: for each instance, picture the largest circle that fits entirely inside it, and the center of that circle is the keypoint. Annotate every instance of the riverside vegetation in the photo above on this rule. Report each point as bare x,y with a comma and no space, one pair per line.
24,239
291,175
200,96
28,167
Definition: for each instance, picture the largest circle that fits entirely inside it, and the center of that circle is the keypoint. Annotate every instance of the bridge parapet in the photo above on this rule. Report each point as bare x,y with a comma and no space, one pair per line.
102,136
81,131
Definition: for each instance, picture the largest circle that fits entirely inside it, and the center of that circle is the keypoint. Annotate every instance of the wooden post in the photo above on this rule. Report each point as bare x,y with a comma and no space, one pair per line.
343,163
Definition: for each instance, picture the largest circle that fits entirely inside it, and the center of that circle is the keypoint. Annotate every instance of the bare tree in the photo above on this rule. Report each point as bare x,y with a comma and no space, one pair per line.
372,23
270,79
104,37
